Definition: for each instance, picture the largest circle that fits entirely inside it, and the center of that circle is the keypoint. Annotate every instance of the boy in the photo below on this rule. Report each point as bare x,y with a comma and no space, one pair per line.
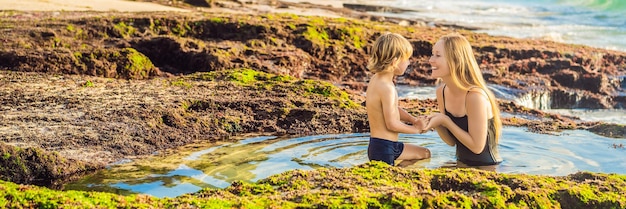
389,58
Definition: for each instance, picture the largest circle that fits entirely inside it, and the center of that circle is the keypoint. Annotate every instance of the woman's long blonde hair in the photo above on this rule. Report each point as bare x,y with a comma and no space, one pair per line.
466,73
388,49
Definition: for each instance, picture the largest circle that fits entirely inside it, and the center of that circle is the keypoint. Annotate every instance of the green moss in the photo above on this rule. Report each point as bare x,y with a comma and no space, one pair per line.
271,17
267,81
80,34
70,28
181,29
20,196
245,76
353,35
181,83
124,30
230,124
342,20
56,42
205,76
370,185
255,43
316,35
327,90
317,21
88,84
290,16
138,66
78,55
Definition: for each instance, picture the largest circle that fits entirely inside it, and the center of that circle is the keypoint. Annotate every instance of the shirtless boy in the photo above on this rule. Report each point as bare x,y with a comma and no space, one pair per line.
389,57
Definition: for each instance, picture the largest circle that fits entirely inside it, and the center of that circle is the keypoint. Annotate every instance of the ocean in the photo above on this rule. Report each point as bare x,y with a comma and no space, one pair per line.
596,23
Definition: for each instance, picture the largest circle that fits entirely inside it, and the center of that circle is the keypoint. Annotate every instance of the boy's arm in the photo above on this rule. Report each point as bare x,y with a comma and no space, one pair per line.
406,116
392,113
419,123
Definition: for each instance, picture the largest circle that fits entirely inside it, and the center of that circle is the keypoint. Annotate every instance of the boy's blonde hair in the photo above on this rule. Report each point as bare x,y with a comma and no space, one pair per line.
388,49
466,73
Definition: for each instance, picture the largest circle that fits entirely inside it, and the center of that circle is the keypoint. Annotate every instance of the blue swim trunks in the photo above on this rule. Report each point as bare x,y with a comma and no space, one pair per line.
384,150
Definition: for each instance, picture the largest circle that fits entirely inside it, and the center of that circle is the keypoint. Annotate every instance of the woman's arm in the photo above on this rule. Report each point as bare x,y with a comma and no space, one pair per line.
441,130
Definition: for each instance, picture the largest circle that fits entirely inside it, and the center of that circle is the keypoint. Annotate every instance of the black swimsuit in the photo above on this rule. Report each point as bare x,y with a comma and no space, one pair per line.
489,155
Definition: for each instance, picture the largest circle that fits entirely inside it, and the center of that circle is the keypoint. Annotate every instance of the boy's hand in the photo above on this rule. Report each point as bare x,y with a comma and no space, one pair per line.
420,123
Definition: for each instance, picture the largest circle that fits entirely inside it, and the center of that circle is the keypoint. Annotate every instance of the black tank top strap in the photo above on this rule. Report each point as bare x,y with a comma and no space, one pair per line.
443,94
473,87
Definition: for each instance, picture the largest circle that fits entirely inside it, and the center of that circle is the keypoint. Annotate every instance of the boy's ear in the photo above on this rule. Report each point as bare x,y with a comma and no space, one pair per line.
395,61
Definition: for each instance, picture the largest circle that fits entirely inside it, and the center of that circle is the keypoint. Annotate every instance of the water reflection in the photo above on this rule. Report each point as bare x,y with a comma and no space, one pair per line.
256,158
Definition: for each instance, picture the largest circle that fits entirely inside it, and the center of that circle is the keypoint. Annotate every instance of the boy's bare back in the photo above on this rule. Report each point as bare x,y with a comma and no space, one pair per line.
381,96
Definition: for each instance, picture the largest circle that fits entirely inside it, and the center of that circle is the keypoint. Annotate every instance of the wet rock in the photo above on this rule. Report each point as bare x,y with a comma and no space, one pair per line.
564,99
609,130
36,166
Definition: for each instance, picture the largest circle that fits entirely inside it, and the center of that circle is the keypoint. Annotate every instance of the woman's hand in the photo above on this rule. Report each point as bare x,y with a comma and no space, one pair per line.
436,120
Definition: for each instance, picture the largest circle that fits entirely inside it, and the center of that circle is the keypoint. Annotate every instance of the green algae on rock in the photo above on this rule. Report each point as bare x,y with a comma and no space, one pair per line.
370,185
271,82
34,165
609,130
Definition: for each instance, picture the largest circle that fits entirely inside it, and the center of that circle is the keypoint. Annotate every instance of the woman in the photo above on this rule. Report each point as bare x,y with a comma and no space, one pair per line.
470,117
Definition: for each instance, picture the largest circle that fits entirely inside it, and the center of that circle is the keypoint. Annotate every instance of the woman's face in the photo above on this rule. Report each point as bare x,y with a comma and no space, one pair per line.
438,62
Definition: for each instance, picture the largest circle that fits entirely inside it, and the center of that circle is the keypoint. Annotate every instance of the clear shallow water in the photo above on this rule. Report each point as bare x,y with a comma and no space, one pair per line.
597,23
416,92
617,116
256,158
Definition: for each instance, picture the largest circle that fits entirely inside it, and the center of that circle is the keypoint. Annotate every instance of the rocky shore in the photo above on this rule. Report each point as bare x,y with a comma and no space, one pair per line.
371,185
82,90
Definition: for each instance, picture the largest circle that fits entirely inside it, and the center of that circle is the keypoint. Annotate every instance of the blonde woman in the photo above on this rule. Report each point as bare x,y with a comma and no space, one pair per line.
470,117
389,57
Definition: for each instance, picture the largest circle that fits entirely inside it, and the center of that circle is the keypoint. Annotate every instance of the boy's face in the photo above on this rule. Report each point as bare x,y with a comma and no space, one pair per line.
402,65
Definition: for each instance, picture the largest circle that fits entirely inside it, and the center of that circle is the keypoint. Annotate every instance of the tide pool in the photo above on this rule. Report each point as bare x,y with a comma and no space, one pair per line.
252,159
